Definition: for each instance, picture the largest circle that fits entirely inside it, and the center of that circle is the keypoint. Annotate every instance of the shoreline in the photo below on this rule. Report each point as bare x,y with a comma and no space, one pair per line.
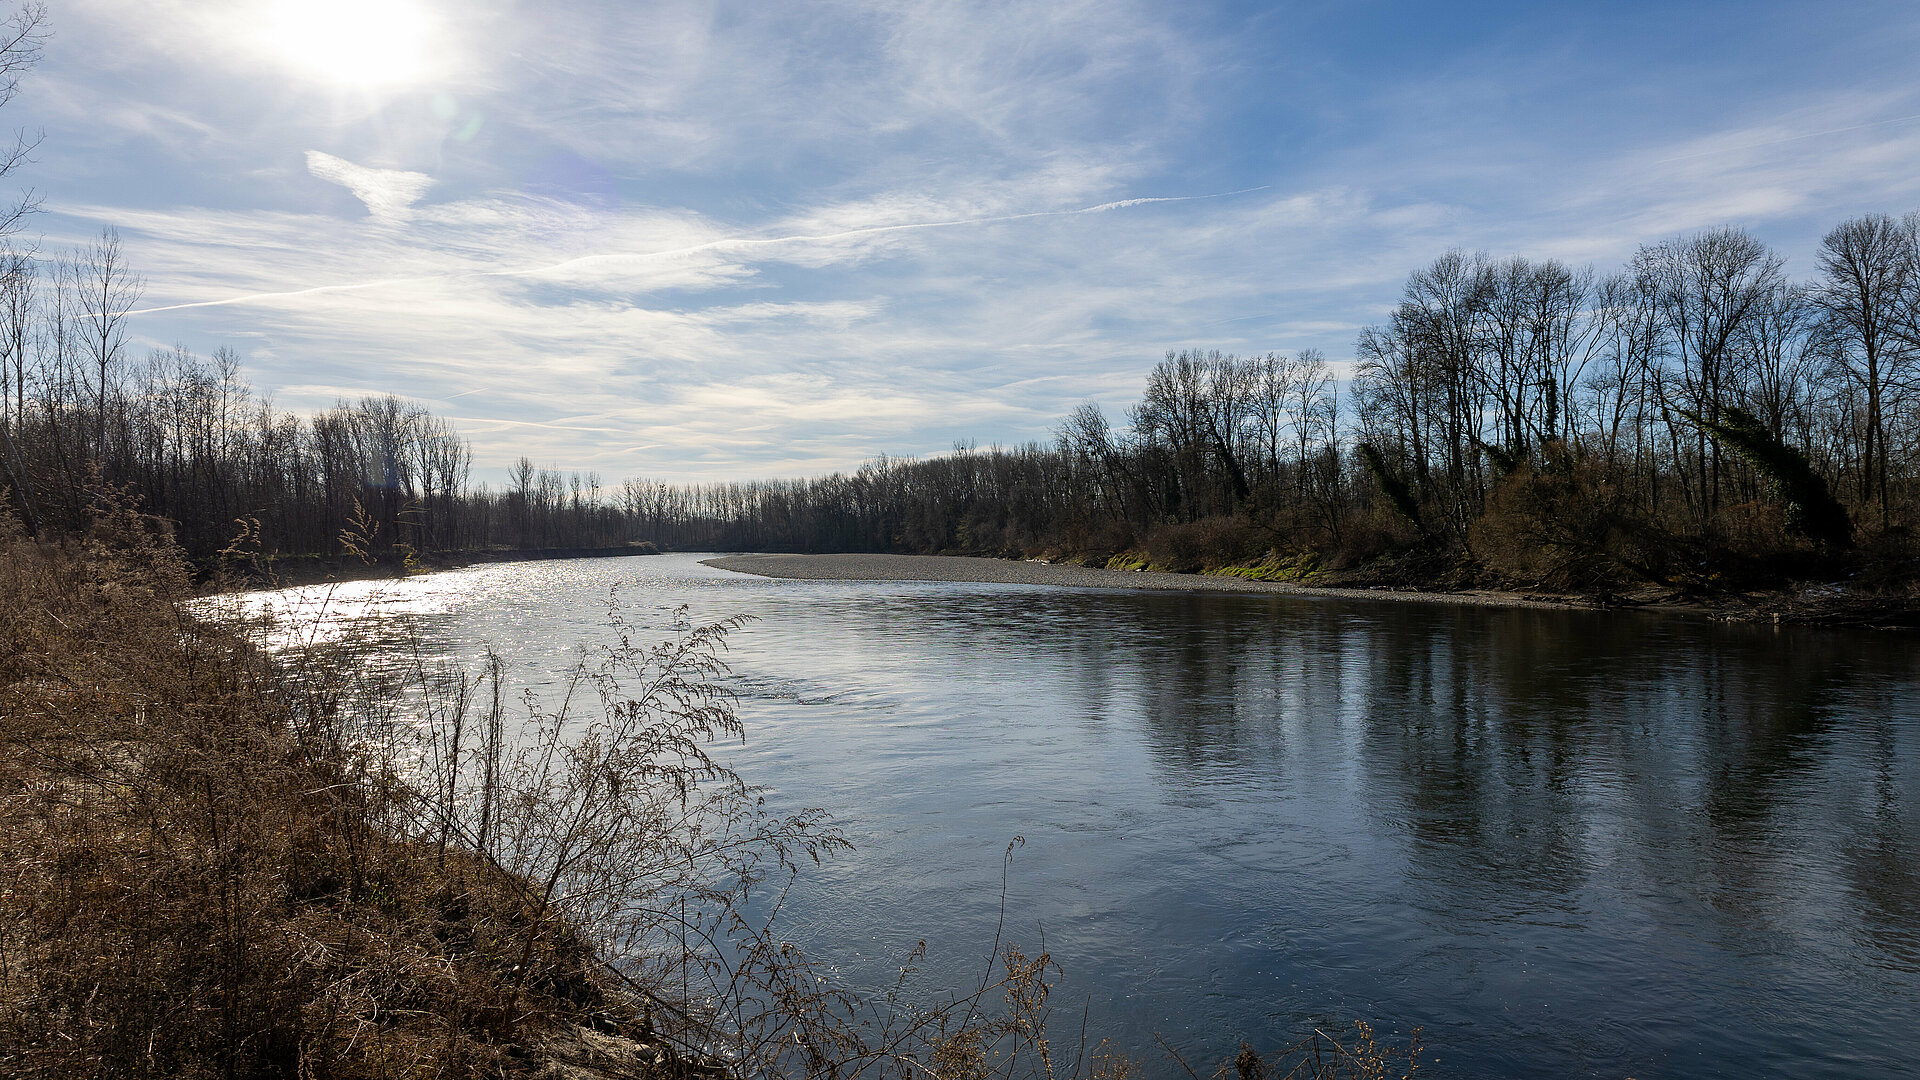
985,570
267,894
1833,606
294,571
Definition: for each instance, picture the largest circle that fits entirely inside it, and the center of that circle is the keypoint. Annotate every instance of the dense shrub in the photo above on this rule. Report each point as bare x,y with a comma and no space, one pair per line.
1567,526
1189,547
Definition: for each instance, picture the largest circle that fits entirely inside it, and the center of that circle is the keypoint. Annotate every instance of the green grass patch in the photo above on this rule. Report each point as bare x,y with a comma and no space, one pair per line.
1133,560
1303,568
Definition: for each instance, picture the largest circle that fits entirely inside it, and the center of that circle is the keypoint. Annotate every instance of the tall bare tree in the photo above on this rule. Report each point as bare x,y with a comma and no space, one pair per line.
1707,288
21,37
1866,294
108,289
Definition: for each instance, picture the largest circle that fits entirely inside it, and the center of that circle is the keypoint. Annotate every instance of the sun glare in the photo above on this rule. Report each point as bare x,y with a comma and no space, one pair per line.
352,42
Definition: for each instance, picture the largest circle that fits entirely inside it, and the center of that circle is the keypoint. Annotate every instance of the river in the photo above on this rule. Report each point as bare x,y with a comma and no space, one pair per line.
1564,843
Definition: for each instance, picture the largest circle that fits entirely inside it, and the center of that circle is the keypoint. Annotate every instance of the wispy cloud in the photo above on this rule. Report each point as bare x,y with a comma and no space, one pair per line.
725,240
389,194
382,190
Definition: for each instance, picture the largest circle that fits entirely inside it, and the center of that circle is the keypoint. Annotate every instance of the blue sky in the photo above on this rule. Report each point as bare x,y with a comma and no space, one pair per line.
553,218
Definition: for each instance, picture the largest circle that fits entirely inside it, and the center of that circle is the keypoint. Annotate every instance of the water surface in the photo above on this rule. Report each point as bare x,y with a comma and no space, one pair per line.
1565,843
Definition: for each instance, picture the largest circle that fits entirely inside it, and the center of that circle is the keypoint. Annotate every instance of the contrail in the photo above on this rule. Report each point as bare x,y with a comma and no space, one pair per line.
291,292
725,243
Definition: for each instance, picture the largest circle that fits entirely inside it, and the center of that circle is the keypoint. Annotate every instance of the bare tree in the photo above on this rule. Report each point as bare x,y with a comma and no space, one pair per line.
21,37
108,289
1706,288
17,325
1085,437
1776,346
1632,346
1870,272
1443,323
19,298
1313,411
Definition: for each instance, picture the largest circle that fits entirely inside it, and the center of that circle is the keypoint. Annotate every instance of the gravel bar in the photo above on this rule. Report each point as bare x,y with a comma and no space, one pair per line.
1009,571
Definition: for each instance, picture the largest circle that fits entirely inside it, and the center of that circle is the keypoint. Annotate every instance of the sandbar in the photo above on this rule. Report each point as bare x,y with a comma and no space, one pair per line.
1034,572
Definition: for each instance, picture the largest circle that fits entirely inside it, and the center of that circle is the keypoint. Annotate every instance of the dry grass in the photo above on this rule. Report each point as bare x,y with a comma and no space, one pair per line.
200,875
214,862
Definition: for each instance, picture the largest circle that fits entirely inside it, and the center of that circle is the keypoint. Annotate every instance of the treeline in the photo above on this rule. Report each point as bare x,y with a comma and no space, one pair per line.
1671,381
188,437
1214,438
1697,412
1696,416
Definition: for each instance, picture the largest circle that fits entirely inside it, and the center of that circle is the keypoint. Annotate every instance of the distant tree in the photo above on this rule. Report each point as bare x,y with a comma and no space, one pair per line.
1313,412
107,289
17,326
1707,288
1086,437
21,37
1867,298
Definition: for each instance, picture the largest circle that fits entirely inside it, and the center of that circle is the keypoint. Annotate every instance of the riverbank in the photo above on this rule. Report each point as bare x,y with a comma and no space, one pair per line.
287,571
1820,605
1008,571
202,874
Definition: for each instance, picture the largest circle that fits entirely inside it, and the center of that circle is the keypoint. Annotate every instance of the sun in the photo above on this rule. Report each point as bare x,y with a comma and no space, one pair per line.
352,42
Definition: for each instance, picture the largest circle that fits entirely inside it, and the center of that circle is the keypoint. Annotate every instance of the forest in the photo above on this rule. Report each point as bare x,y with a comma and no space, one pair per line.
1695,419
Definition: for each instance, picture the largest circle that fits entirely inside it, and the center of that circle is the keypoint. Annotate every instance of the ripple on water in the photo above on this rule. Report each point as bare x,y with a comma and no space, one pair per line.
1565,842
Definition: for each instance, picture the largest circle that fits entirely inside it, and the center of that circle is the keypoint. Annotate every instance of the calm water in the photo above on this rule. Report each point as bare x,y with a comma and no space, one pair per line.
1567,844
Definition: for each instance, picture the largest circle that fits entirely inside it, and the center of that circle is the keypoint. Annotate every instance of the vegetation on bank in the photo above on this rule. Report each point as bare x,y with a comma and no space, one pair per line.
1695,424
204,874
216,861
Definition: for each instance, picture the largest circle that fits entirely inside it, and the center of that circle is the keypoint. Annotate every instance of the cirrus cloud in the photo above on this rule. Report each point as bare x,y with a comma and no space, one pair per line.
388,193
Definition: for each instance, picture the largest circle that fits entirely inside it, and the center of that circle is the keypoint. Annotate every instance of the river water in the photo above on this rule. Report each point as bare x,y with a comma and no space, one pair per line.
1564,843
